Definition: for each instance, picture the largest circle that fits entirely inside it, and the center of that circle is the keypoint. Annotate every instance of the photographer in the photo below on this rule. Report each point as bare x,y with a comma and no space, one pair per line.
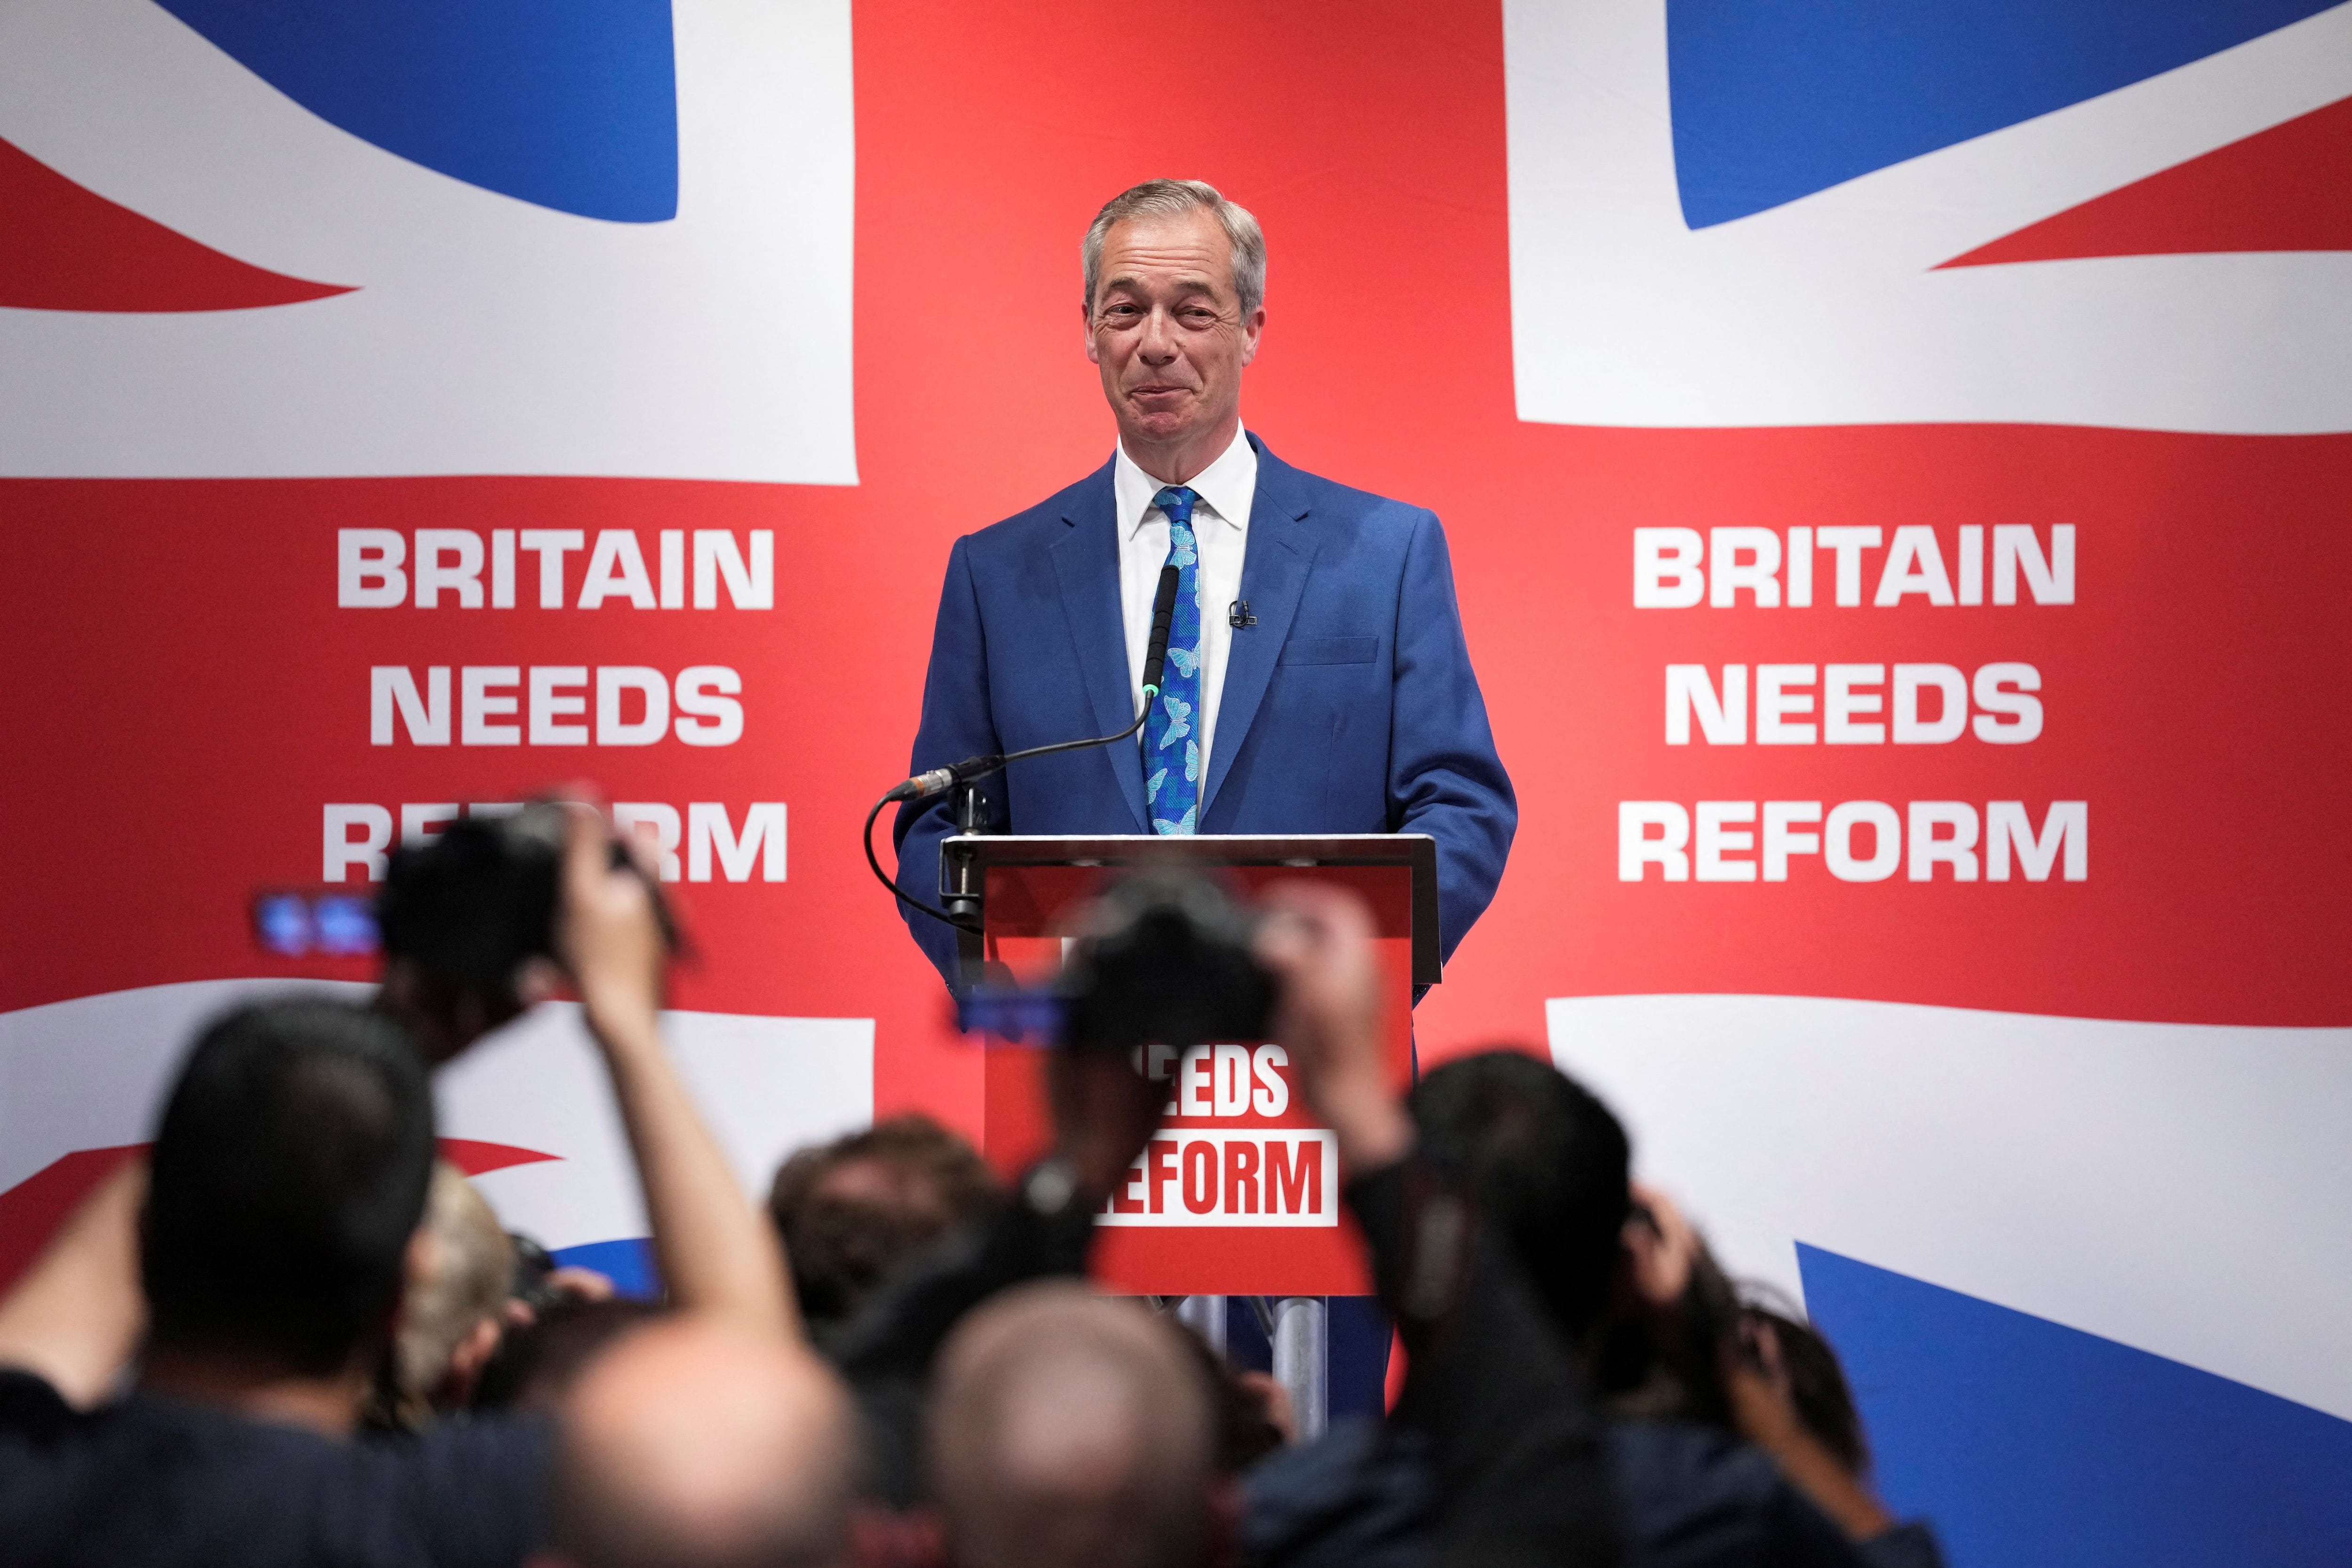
1510,1432
1104,1113
1513,1434
273,1249
1626,1288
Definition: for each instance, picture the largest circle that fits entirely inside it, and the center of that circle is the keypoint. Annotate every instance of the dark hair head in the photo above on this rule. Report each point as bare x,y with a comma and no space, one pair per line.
289,1174
1547,1164
852,1211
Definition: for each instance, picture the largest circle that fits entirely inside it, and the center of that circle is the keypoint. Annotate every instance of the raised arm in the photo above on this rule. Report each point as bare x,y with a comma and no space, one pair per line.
1514,1433
75,1316
717,1255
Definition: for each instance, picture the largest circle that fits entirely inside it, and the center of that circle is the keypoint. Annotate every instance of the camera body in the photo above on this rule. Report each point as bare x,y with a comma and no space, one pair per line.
1162,959
471,907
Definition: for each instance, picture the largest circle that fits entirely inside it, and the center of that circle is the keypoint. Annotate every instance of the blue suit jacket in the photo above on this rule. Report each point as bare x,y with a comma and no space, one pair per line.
1351,707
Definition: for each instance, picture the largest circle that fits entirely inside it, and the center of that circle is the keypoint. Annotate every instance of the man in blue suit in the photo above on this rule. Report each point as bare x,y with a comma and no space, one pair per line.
1316,679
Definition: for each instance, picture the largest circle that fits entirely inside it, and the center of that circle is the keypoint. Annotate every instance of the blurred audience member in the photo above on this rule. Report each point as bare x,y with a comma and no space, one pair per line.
690,1445
1104,1113
287,1180
1627,1289
1068,1431
1732,1363
284,1199
1506,1439
852,1211
453,1313
1584,1387
1790,1397
1514,1473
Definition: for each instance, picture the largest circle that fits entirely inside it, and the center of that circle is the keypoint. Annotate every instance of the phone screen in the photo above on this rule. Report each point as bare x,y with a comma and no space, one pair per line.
315,925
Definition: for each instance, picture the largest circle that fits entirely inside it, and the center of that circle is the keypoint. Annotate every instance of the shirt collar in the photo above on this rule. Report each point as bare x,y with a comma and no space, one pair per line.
1227,486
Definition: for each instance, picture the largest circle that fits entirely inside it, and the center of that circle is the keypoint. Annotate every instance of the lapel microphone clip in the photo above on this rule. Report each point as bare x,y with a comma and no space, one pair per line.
1239,616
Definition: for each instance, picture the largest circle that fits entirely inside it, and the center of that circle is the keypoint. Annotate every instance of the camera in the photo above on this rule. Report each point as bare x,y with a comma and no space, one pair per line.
1161,958
534,1273
471,907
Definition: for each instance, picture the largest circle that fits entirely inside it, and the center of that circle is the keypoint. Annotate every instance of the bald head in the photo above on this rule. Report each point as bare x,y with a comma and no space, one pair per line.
1069,1430
688,1446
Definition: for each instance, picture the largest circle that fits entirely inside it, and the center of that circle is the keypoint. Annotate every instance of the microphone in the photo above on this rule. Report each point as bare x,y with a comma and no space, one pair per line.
939,780
1164,617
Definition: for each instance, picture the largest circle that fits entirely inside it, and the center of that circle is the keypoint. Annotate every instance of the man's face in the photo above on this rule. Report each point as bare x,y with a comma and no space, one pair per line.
1167,330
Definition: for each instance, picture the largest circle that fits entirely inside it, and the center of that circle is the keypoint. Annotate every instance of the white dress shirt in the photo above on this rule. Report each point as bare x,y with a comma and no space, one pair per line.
1221,526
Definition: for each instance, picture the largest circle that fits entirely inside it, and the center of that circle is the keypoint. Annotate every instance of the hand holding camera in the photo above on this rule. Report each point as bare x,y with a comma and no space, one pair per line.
1317,943
609,932
489,917
1167,958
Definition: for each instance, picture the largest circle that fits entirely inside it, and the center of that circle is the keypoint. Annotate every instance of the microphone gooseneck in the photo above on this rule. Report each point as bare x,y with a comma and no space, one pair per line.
939,780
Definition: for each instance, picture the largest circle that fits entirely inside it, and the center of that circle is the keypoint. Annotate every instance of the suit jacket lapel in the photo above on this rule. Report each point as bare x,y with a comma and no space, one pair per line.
1086,563
1273,574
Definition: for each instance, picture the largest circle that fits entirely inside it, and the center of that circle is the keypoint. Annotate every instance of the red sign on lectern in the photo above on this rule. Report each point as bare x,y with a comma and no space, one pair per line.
1238,1192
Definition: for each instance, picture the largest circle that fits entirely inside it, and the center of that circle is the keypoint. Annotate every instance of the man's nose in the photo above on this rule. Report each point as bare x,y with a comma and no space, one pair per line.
1158,343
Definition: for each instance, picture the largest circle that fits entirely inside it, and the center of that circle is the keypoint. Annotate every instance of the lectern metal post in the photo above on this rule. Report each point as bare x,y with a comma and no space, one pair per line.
1302,1361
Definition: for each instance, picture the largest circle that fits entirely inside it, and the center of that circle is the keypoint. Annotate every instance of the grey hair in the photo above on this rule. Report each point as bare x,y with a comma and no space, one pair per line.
1173,198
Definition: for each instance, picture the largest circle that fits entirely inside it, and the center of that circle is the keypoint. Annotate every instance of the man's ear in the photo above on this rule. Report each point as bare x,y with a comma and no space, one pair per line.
467,1363
1086,328
1252,326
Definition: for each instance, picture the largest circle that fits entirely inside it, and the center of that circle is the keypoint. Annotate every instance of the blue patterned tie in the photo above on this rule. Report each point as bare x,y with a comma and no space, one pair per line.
1171,750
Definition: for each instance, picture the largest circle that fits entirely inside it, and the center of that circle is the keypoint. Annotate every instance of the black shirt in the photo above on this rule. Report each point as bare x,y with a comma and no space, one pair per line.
1507,1428
154,1480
